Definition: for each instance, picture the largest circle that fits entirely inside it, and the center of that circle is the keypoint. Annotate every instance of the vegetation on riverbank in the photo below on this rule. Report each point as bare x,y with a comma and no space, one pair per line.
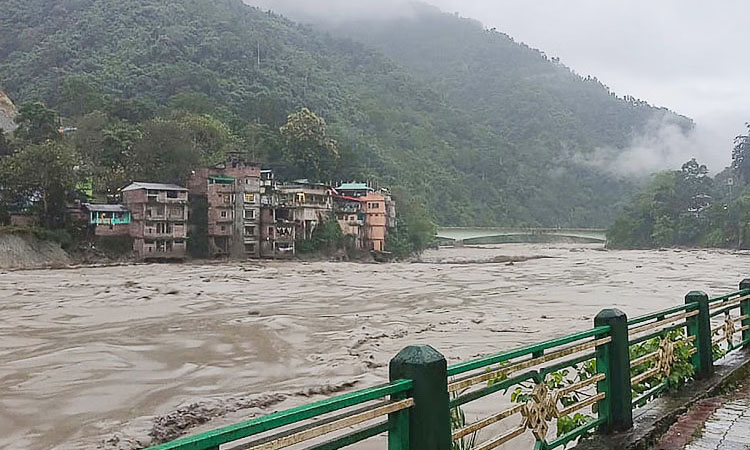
500,143
689,208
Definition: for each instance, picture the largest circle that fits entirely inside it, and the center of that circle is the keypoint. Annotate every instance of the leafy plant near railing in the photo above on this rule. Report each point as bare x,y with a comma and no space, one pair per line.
681,368
558,380
458,421
717,352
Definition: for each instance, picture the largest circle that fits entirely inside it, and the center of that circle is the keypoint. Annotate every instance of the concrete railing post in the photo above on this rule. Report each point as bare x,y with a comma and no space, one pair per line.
429,418
745,311
700,327
613,359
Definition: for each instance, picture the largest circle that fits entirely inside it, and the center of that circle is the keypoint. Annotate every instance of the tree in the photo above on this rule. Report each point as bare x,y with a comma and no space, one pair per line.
308,149
36,123
79,97
165,153
105,145
210,138
741,156
5,148
43,176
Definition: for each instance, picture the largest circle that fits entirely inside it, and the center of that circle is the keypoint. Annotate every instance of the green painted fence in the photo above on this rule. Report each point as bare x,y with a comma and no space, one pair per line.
543,396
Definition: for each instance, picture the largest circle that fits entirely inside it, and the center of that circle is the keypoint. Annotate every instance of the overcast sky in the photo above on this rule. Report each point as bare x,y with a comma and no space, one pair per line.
692,56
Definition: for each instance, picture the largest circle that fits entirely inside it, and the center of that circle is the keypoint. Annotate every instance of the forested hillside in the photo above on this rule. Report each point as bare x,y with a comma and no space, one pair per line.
483,132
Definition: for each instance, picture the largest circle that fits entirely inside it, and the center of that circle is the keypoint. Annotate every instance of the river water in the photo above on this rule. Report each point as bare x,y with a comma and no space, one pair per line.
107,357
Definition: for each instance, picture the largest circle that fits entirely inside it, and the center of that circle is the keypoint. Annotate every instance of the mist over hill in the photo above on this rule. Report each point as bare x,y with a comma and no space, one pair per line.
479,128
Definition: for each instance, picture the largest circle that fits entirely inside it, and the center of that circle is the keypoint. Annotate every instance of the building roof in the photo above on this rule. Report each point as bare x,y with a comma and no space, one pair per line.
105,208
353,187
345,197
153,186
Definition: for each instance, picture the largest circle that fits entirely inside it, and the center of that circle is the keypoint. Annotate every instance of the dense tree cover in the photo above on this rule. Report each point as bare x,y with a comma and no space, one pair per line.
689,208
480,133
308,147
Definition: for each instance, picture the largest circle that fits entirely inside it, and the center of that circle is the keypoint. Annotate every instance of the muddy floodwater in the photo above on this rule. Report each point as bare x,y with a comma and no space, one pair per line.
109,357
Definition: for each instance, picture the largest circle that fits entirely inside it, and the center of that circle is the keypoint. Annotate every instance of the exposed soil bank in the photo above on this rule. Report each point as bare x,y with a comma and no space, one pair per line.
24,251
114,357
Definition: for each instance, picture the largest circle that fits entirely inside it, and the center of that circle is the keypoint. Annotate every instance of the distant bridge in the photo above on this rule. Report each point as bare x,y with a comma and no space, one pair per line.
480,235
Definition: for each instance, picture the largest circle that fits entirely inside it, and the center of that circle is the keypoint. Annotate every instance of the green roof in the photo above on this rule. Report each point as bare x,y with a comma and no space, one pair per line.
222,179
353,187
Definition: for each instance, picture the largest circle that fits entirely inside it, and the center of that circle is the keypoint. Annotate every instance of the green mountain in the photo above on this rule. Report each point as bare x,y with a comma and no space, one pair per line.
478,128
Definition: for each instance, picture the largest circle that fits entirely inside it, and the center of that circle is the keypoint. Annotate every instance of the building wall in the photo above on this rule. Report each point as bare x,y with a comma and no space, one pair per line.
122,229
159,223
375,221
233,221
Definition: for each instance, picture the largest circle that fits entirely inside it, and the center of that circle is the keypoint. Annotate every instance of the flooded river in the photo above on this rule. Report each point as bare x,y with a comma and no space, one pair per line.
107,357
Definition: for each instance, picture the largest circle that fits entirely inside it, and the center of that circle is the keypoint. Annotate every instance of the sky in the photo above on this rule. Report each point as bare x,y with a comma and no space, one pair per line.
691,56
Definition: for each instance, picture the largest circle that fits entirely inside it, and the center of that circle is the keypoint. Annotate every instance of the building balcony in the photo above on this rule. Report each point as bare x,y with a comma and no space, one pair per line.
167,236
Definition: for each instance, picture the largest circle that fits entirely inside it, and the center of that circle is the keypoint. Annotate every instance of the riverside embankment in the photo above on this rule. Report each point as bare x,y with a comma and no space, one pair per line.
113,356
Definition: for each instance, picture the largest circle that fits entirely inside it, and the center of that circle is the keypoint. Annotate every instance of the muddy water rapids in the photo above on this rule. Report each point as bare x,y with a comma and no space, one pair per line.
120,357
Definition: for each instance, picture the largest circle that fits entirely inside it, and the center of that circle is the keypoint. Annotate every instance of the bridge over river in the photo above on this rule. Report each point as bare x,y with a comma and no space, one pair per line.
492,235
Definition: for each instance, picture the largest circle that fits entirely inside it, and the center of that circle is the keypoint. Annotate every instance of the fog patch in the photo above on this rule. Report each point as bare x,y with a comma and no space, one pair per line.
338,11
664,145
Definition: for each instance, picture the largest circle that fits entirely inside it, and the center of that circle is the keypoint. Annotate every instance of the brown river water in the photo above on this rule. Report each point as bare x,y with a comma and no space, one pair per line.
108,357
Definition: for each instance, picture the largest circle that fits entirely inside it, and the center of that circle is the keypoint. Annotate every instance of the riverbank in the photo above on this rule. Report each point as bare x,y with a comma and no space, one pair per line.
116,357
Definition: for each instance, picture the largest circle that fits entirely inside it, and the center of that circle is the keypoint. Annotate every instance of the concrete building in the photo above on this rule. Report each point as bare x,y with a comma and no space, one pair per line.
159,214
304,204
108,220
351,218
373,205
232,195
377,213
277,234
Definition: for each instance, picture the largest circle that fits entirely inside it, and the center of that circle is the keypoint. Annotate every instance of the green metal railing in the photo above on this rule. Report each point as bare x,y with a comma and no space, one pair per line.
608,370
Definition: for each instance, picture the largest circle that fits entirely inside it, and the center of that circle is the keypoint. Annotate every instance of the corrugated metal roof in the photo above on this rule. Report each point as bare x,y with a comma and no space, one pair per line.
353,187
106,208
154,187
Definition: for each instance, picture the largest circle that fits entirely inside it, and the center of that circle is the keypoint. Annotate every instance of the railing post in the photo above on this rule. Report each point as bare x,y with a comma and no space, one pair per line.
429,425
700,327
613,360
745,311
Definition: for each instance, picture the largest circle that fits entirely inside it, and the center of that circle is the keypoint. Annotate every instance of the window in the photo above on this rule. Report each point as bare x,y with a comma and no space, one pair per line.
250,231
223,214
223,228
270,230
171,194
226,199
249,214
250,198
250,248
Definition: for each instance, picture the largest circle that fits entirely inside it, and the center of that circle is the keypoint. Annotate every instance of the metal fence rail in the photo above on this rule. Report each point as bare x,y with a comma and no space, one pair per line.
608,370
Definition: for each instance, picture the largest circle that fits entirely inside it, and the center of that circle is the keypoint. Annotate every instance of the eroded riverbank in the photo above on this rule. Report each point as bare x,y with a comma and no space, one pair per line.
105,356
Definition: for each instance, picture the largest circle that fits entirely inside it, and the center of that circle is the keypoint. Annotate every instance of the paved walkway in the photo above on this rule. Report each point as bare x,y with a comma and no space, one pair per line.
718,423
728,428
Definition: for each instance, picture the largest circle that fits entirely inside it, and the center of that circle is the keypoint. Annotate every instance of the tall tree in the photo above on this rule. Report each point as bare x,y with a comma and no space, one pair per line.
741,156
36,123
165,153
43,176
308,149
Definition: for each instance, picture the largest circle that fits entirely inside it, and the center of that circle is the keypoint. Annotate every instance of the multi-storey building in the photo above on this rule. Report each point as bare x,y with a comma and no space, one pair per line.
351,218
232,214
377,213
159,214
277,234
305,204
